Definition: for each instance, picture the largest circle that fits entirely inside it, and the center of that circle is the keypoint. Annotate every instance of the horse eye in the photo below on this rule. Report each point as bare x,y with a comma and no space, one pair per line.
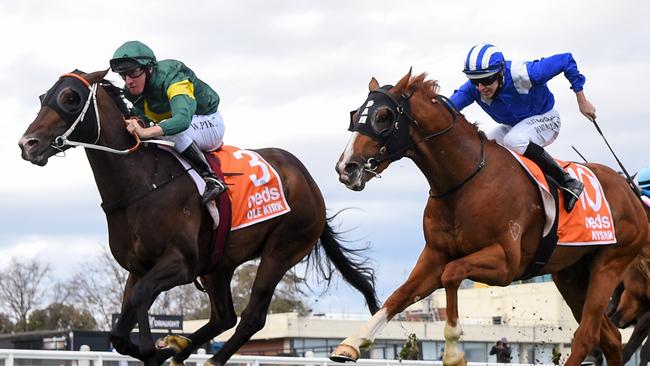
69,101
382,121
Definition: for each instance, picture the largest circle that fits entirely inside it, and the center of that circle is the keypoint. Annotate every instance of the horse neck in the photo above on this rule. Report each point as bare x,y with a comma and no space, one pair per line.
446,160
115,174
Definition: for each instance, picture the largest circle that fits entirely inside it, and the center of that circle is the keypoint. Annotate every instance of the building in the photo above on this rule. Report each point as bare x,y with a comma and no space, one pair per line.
532,316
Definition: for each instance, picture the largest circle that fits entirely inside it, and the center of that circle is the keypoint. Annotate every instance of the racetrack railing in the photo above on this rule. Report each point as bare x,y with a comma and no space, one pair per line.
15,357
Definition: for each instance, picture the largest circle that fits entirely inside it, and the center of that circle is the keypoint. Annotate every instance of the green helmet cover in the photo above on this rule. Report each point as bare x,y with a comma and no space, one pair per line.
130,55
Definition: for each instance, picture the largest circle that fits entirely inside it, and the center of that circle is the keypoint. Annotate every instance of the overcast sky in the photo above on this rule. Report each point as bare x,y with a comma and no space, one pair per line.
288,72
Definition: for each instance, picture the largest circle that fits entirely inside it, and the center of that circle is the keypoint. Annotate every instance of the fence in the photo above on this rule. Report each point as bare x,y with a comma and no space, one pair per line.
14,357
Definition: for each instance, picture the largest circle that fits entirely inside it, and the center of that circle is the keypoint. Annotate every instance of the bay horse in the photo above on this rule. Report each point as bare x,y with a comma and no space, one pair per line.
162,237
483,219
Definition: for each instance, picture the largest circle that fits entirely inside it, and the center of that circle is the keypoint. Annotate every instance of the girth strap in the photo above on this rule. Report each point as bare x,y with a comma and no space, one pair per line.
137,194
548,243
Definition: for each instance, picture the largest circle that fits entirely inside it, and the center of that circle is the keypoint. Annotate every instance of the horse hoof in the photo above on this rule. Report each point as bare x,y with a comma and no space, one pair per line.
209,362
174,363
457,359
344,353
177,342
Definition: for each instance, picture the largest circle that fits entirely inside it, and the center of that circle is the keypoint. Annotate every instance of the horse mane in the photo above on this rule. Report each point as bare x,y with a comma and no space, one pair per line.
420,83
430,89
117,95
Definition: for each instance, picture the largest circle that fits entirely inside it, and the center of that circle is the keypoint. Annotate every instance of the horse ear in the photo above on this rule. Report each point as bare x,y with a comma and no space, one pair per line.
373,85
96,76
401,85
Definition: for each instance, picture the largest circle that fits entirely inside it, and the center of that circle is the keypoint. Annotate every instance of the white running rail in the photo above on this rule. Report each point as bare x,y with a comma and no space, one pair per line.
16,357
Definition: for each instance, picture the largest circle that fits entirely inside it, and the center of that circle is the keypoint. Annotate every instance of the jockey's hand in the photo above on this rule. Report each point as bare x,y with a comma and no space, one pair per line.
134,127
585,106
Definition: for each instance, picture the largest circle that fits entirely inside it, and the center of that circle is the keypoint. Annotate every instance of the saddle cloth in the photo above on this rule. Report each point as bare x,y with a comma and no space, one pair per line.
255,192
590,222
254,187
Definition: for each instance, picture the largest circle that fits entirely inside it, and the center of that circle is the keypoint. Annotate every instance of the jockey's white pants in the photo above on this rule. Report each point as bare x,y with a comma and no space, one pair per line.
206,130
542,130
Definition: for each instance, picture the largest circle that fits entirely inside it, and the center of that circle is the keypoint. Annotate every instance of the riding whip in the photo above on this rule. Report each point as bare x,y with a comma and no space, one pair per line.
627,175
578,152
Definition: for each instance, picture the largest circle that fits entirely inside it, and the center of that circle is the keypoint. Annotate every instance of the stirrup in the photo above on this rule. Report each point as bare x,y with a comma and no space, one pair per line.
573,195
214,187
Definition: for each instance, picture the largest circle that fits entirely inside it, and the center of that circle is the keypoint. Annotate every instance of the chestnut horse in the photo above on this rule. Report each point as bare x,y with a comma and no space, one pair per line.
483,219
161,233
631,305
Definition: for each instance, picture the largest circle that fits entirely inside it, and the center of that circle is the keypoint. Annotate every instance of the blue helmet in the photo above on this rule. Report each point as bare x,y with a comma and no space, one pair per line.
483,60
644,178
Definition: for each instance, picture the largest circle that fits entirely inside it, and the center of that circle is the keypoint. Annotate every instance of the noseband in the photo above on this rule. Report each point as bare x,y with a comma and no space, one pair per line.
85,91
396,139
74,120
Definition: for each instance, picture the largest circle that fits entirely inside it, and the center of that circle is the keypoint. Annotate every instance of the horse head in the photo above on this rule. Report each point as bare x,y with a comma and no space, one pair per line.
634,298
390,125
68,111
380,129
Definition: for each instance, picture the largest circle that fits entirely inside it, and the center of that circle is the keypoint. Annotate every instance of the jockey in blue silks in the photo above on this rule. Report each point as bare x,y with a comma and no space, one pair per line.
515,95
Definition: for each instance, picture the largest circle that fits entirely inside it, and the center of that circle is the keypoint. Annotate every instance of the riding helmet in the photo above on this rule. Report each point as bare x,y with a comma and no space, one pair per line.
483,60
130,55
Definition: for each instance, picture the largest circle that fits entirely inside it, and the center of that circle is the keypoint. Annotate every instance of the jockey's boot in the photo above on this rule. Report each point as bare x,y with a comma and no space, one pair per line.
569,185
213,185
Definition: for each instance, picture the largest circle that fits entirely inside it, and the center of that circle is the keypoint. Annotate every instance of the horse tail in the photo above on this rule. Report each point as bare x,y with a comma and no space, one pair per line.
351,264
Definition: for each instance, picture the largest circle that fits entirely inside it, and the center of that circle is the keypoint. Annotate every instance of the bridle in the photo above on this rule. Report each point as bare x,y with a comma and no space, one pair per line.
395,141
90,93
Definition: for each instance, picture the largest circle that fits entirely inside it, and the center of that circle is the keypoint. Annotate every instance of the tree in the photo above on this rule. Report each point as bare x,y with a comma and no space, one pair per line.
57,316
96,288
6,326
410,350
20,289
184,300
287,296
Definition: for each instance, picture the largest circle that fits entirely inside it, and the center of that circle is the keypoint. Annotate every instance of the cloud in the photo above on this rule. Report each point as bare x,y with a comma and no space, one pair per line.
288,72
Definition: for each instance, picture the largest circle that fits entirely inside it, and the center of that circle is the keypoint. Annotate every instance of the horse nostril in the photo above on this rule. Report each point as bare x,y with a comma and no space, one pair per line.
351,167
27,144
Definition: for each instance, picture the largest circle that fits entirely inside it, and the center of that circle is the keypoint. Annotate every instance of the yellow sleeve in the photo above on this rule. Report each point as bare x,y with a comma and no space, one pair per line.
183,87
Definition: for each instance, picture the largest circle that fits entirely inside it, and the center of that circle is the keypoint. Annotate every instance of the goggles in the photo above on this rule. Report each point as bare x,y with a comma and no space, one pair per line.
133,73
486,81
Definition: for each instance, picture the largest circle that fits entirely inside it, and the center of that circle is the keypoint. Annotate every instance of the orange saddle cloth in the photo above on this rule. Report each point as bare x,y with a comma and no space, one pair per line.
254,187
590,222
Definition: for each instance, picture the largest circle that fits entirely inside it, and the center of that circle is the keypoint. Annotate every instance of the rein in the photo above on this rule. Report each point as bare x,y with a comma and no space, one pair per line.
478,168
372,163
61,141
400,109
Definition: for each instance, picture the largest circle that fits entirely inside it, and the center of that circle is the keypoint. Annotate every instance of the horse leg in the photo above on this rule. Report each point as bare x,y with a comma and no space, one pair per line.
269,273
572,282
610,342
604,277
423,280
639,334
119,336
645,349
222,314
169,271
486,265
